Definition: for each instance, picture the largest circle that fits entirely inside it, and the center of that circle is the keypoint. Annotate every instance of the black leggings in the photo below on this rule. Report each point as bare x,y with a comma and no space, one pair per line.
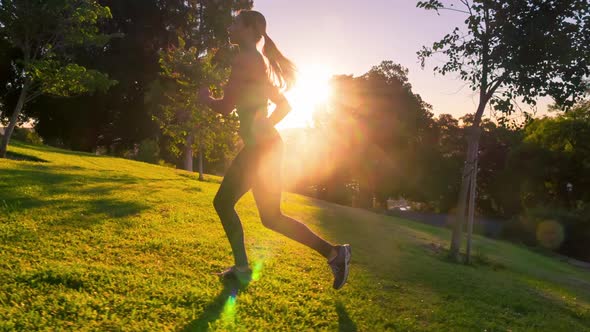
258,167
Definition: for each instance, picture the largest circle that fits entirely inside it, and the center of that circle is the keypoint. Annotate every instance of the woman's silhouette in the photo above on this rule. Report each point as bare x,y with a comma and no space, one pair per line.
255,79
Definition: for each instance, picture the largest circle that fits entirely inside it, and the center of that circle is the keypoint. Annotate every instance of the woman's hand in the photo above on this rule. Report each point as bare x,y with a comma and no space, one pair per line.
204,95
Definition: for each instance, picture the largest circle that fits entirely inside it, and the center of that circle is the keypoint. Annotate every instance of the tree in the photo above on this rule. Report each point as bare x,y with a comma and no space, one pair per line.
200,59
388,126
443,180
495,145
557,190
120,118
179,114
560,144
44,32
517,49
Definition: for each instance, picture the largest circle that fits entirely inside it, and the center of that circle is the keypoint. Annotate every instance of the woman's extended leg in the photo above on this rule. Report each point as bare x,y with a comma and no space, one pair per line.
267,193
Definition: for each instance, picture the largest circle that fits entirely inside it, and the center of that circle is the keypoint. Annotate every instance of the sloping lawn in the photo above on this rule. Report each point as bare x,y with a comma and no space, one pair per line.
106,244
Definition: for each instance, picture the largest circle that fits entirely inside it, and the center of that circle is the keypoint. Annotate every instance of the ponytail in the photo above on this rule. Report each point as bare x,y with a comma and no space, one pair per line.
281,69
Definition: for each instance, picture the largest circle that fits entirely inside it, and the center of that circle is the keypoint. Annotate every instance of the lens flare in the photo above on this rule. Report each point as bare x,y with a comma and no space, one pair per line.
230,307
228,315
256,270
550,234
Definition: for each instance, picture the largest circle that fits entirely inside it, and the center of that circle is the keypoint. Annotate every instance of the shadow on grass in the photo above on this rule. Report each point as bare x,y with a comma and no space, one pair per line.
223,303
23,157
345,324
87,198
47,148
64,278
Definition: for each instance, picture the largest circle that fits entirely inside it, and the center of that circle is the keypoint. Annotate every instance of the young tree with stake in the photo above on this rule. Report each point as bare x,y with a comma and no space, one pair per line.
509,51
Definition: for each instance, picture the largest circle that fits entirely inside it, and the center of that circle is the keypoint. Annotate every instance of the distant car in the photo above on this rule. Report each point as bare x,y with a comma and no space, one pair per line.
398,205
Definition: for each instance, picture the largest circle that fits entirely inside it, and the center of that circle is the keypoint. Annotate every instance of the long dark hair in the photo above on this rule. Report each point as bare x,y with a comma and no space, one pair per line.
281,69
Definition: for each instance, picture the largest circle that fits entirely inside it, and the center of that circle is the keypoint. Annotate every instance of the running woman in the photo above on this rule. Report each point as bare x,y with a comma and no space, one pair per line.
255,79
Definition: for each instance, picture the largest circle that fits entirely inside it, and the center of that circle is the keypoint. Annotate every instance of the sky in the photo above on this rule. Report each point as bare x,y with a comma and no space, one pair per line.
349,37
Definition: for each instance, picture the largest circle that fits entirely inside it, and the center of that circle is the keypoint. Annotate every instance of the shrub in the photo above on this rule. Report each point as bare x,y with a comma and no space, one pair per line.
164,163
564,231
149,151
27,135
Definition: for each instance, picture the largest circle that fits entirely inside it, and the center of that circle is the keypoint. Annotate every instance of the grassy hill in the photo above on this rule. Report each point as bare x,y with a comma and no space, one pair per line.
99,243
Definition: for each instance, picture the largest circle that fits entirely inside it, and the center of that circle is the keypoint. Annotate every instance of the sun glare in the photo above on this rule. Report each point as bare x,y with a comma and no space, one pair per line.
311,90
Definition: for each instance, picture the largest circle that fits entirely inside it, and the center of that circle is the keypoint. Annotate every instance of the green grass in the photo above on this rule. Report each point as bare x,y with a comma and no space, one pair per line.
106,244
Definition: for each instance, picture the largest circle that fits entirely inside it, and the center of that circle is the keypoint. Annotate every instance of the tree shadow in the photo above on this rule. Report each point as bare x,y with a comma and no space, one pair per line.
213,311
345,323
51,149
38,186
23,157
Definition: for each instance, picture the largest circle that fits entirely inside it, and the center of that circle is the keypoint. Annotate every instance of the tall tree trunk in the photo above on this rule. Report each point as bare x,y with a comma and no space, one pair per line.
201,177
456,237
473,134
13,120
472,195
472,146
188,152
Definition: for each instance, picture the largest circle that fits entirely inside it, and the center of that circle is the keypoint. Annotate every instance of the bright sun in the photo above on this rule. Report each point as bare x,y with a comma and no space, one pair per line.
311,89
